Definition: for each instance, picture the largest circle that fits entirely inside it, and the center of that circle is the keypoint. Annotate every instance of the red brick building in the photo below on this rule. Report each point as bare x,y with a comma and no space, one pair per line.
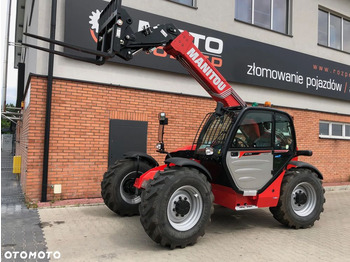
85,98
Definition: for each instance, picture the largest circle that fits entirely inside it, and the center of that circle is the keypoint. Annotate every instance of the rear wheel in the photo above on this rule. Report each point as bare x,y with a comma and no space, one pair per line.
176,207
301,200
117,186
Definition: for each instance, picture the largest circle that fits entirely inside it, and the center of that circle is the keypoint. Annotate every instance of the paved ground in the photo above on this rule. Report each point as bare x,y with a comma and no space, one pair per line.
93,233
20,227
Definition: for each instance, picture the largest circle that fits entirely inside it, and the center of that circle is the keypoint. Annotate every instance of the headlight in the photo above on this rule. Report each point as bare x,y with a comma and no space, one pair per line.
159,146
209,151
161,116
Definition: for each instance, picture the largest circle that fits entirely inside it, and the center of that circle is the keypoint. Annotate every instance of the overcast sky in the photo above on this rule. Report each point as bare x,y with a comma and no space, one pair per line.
11,73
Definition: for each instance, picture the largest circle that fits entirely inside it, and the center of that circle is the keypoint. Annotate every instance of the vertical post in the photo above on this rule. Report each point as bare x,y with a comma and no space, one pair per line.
48,104
4,87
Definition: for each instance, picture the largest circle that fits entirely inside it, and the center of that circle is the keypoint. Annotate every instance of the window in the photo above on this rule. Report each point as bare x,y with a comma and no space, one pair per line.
347,130
333,31
270,14
185,2
283,132
334,130
337,130
254,131
324,129
346,35
322,27
215,131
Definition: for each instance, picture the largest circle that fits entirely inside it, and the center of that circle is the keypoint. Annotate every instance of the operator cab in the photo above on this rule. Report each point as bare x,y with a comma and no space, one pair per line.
246,149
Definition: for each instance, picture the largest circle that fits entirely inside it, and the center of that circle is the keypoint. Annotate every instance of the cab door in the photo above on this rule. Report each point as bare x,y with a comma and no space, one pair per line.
284,142
250,157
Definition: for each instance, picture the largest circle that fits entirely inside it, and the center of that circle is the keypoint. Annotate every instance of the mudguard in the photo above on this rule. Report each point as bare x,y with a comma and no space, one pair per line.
179,161
141,155
184,152
300,164
144,179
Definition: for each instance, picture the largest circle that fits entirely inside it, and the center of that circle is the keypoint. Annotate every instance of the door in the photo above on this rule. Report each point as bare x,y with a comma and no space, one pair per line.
125,136
250,156
284,142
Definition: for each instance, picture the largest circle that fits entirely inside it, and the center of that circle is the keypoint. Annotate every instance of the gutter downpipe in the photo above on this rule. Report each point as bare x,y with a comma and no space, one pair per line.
48,104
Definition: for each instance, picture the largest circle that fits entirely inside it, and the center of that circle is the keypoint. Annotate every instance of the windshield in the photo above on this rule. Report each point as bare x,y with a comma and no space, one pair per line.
215,131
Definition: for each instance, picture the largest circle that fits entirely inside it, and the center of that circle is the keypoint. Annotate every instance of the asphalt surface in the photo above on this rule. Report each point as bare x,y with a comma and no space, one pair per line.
21,231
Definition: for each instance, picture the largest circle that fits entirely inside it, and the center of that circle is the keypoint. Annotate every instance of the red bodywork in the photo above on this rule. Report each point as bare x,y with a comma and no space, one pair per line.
226,196
149,175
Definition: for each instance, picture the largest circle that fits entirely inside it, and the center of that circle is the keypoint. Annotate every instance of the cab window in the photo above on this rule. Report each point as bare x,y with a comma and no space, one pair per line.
255,131
283,132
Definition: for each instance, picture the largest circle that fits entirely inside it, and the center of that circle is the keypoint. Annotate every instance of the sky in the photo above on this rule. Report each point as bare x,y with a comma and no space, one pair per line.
11,73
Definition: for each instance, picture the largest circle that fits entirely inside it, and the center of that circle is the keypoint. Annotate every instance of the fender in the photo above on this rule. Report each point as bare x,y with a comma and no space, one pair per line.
145,178
179,161
141,155
300,164
186,148
184,152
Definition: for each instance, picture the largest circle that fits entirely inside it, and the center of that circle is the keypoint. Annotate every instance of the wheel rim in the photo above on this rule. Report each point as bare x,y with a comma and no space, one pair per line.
185,208
127,189
303,199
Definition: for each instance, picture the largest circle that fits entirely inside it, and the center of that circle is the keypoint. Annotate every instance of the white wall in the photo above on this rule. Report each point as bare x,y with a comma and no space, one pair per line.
218,17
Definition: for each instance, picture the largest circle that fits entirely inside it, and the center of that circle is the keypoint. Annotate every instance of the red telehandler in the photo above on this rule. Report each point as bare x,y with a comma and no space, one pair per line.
242,158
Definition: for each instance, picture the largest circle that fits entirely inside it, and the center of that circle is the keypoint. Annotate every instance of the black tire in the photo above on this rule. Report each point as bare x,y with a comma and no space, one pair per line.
117,188
301,199
181,191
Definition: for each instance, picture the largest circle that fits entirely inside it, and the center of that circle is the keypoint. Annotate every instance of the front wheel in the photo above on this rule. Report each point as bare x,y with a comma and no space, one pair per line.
301,200
117,186
176,207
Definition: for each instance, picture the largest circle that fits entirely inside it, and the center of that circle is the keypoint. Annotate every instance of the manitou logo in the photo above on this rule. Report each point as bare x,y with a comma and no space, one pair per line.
206,68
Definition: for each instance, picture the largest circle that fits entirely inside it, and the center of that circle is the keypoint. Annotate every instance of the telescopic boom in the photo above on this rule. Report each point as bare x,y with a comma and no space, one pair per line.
116,38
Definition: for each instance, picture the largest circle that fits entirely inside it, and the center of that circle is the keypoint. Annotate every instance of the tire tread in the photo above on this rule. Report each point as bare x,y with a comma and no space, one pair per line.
149,204
281,212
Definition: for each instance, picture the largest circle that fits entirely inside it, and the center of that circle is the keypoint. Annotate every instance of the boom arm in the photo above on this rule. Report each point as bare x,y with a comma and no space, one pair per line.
116,38
183,49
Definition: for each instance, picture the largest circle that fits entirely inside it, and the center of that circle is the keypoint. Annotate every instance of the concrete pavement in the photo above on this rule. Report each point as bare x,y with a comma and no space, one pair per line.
94,233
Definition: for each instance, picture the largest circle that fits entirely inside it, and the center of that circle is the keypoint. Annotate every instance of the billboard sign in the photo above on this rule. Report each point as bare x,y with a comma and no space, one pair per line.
238,59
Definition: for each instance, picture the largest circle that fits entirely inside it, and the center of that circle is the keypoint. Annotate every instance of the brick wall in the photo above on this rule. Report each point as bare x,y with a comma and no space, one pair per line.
80,133
22,143
31,145
330,156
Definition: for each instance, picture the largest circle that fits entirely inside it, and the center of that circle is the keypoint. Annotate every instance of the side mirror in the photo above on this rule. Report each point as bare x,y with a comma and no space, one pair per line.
163,121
